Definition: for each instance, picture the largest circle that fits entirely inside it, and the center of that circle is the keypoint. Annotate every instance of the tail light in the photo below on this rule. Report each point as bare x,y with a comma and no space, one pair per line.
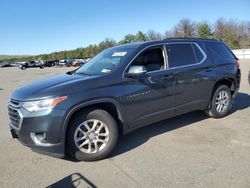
237,64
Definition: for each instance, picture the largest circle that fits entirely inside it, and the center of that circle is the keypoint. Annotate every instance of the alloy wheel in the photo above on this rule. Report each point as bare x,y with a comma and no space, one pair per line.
91,136
222,101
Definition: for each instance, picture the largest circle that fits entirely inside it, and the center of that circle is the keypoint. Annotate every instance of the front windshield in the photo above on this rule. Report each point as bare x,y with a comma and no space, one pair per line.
105,62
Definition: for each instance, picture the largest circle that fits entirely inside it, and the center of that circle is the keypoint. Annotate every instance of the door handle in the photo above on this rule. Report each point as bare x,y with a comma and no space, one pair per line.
168,77
209,69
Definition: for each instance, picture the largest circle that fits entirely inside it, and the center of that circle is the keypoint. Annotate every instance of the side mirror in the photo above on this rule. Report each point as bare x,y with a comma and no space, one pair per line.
136,70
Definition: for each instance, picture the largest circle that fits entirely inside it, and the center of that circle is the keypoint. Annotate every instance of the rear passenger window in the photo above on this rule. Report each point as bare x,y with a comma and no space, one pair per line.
183,54
220,49
197,52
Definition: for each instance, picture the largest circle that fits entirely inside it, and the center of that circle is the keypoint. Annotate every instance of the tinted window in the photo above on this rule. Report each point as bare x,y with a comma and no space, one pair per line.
180,55
220,49
197,52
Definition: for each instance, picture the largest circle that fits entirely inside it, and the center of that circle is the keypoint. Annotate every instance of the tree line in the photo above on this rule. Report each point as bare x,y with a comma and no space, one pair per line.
234,32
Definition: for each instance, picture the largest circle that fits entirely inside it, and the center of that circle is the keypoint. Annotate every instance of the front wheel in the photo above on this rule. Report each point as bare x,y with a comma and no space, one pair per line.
92,135
221,102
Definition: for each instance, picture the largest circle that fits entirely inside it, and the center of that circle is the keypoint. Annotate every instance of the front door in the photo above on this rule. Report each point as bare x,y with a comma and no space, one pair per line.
149,97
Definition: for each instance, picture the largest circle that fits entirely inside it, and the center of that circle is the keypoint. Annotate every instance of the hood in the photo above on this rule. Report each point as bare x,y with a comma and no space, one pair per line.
57,85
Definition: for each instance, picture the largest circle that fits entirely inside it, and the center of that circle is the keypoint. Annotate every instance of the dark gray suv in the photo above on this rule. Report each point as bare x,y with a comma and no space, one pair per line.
82,113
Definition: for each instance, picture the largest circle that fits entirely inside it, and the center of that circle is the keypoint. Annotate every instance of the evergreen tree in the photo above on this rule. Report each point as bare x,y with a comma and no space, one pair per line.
204,31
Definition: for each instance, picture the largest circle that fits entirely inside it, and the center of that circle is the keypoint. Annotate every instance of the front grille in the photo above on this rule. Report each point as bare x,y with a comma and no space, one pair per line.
15,103
14,115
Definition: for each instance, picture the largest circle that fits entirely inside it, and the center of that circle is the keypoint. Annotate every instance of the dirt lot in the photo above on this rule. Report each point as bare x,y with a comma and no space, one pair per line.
187,151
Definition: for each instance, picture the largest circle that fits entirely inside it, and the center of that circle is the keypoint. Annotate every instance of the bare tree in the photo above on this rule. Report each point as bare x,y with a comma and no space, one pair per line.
219,28
169,34
234,32
185,28
243,34
153,35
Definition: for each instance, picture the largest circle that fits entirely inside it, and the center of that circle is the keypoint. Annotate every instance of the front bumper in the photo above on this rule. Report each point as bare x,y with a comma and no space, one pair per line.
40,131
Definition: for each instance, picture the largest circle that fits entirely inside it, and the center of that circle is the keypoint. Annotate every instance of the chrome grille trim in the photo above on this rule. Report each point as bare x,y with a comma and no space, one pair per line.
14,103
15,115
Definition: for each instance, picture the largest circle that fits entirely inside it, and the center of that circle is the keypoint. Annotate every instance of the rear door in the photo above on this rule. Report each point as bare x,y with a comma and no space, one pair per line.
187,66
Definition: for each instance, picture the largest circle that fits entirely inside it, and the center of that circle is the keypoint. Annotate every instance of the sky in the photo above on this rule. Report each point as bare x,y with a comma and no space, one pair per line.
31,27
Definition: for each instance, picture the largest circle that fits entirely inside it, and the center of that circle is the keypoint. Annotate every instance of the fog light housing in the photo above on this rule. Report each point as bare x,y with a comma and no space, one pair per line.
40,139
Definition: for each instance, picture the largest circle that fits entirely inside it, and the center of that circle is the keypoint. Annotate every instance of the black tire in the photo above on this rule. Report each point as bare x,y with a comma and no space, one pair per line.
98,114
212,111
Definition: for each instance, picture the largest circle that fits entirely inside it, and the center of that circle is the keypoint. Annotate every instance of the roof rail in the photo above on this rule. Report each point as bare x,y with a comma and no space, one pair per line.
188,38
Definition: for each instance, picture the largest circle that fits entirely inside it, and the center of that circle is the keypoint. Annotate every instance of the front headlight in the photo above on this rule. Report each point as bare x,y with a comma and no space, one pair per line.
44,104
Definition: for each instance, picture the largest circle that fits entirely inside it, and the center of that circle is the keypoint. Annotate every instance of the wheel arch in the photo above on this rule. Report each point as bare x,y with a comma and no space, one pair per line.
229,81
108,104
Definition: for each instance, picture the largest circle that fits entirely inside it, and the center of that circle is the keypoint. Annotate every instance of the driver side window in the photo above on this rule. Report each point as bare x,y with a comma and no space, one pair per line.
152,59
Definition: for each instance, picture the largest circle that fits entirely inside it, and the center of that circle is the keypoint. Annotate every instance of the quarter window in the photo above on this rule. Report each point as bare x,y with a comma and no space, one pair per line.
220,49
197,52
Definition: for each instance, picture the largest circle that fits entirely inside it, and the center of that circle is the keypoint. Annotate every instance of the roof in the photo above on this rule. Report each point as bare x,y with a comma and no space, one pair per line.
190,38
148,43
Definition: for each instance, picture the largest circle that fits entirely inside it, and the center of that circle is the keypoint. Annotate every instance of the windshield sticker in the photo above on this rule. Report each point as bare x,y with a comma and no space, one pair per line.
119,54
106,71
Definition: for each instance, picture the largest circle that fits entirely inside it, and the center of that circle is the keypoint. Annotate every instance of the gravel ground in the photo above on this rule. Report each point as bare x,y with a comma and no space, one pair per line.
187,151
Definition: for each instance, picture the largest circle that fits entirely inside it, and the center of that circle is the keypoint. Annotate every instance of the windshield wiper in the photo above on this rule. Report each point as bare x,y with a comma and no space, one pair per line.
84,73
70,72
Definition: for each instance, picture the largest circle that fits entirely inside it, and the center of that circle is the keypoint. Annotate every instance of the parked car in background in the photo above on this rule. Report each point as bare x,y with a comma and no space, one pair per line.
83,112
31,64
77,63
6,64
49,63
64,63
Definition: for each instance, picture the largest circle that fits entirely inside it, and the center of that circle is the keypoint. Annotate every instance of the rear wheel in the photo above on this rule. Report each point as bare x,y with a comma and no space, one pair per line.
92,135
221,102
